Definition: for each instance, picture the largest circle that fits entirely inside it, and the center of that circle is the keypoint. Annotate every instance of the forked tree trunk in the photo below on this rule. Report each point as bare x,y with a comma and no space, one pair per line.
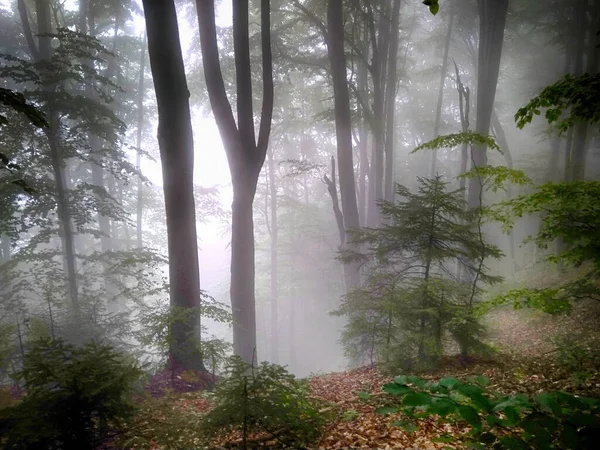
245,154
177,160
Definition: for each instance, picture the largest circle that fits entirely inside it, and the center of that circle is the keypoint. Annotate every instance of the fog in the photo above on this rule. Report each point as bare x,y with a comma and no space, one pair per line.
121,280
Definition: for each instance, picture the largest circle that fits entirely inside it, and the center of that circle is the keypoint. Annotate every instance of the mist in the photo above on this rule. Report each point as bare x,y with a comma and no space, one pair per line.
186,181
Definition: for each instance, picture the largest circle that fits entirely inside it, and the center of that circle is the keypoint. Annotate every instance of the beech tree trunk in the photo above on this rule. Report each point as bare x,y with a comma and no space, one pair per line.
177,160
245,154
492,16
587,44
67,235
343,128
440,99
138,143
390,102
274,342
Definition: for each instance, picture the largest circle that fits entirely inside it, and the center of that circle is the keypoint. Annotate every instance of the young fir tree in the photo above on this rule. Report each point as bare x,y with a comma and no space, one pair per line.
423,269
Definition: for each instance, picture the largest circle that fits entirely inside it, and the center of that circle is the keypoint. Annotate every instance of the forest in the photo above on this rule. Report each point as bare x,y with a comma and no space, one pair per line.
302,224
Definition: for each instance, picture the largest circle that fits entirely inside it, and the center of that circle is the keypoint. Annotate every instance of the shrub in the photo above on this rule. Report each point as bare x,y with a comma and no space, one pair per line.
548,421
266,399
172,421
75,397
578,353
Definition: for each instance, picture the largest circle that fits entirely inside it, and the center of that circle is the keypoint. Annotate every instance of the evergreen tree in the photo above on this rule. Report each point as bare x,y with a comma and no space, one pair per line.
414,295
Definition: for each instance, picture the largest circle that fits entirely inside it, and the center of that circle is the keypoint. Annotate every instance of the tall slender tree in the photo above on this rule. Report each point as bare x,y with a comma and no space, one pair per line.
274,281
138,144
245,154
492,17
343,127
176,144
43,54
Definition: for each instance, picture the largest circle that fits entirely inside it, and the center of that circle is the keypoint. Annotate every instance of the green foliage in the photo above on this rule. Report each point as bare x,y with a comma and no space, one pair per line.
434,6
157,322
571,100
495,178
17,102
7,348
424,266
554,420
579,353
470,138
171,422
264,399
75,396
570,215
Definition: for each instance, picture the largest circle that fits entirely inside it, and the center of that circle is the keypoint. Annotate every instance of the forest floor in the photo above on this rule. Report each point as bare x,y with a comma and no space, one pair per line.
527,362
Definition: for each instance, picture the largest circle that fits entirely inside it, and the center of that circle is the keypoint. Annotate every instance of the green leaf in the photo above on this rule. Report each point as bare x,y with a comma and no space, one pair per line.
442,407
549,403
487,438
401,379
449,382
483,381
416,399
444,438
512,416
470,416
406,425
384,410
513,443
396,389
363,395
569,436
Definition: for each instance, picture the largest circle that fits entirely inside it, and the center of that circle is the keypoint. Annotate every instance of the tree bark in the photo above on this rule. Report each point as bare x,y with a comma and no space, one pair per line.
274,261
177,160
390,102
500,135
492,16
337,212
138,143
343,130
440,99
245,155
588,34
53,136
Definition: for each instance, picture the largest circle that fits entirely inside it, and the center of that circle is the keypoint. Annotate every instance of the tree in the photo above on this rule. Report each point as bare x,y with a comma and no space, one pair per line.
245,154
177,161
412,298
343,127
492,16
44,55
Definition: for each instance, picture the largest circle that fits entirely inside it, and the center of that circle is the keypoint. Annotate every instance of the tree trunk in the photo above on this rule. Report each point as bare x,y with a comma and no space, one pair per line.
274,261
343,130
500,135
245,155
440,99
177,160
390,102
587,29
363,170
138,144
492,16
53,136
242,270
